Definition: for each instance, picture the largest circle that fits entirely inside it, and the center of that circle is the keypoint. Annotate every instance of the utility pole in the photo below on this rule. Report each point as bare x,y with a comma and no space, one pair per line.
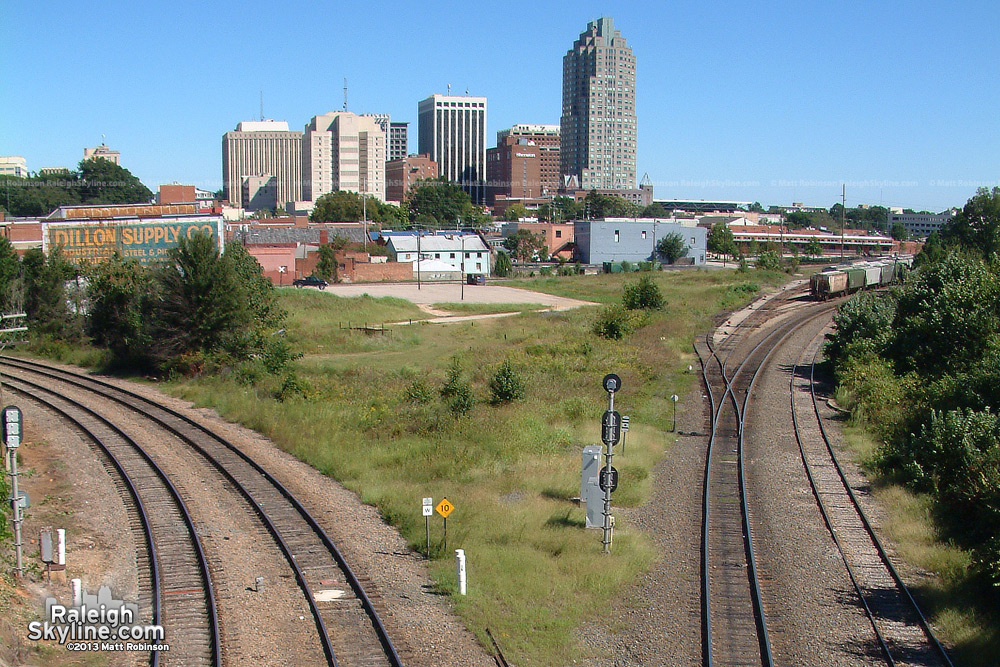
843,210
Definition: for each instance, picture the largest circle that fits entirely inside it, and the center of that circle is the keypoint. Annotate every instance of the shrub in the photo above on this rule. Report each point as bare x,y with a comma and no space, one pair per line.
506,384
642,295
614,322
768,260
863,326
418,392
456,392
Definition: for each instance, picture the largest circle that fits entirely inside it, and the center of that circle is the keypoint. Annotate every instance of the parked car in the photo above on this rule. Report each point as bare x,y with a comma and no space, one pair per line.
475,279
310,281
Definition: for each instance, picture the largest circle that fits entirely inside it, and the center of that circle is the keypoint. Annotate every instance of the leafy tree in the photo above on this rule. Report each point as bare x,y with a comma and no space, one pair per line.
899,232
200,305
642,295
769,260
814,248
503,266
515,212
755,207
562,209
798,219
506,385
655,210
597,205
121,301
863,326
45,294
977,225
721,240
441,203
526,246
671,247
326,267
104,182
946,316
933,251
10,287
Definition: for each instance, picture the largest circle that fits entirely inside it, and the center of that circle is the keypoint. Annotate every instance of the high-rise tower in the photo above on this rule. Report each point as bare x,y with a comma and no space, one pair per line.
452,130
598,142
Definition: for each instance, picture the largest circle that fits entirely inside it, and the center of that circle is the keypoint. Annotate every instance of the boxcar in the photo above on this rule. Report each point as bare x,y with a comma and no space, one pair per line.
888,273
855,279
873,274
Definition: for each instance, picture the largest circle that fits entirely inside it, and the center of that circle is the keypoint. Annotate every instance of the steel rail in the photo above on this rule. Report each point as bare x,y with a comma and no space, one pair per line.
79,380
869,529
215,653
788,328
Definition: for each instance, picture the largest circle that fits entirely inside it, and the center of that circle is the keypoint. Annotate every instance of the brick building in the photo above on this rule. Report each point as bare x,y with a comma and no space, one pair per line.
401,174
513,170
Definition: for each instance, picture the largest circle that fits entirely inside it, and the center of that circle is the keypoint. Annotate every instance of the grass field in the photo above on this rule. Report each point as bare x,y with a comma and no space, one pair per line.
372,416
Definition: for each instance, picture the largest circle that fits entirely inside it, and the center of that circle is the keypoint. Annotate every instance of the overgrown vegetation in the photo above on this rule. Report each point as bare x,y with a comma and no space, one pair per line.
417,415
920,367
96,181
199,309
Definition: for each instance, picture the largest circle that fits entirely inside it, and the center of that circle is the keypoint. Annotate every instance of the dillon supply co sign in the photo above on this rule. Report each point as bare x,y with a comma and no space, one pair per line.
148,241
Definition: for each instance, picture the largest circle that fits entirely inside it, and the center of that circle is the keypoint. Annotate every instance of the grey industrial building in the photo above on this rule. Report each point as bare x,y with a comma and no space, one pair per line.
633,240
921,224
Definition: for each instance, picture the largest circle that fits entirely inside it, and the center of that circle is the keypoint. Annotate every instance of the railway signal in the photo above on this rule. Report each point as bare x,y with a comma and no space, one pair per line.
13,430
611,431
624,432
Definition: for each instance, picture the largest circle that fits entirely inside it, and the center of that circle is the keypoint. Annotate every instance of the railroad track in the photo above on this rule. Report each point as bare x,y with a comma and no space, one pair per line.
175,586
347,623
734,628
902,633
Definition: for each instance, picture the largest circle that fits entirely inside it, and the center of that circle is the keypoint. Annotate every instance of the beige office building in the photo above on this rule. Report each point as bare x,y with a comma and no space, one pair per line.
343,151
259,148
104,152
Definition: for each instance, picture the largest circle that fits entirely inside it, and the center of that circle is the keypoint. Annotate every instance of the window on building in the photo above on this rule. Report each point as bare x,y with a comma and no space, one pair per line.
644,233
692,240
616,236
452,256
437,255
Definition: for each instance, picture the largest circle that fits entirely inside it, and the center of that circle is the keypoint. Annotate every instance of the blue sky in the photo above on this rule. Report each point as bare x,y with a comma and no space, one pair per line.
776,102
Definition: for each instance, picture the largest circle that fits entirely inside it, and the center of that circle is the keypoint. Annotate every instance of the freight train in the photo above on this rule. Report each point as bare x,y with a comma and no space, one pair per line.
841,280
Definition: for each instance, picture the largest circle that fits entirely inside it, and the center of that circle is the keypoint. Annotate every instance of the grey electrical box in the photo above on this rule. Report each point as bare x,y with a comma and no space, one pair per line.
590,491
45,545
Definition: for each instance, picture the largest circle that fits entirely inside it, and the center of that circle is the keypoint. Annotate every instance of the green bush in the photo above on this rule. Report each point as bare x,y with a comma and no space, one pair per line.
863,326
418,392
614,322
506,384
768,260
642,295
456,392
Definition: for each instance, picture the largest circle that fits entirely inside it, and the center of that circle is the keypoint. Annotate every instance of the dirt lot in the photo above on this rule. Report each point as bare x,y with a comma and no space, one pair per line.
430,293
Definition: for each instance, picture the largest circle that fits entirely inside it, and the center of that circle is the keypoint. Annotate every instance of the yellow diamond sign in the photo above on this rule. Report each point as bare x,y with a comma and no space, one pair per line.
444,508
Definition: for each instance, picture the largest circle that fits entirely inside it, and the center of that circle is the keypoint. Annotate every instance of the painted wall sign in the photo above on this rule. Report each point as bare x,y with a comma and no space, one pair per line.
147,241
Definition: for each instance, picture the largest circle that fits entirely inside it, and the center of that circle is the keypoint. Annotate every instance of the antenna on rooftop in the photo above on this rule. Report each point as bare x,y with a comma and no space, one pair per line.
262,104
345,93
449,89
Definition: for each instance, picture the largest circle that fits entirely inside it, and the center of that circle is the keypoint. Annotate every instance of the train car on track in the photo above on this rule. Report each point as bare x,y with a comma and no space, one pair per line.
837,281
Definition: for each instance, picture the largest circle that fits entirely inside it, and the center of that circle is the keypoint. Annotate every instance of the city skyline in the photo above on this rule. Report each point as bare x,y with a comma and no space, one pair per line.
777,104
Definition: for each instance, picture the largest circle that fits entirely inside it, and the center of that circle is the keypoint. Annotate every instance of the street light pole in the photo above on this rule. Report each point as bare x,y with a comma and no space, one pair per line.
462,278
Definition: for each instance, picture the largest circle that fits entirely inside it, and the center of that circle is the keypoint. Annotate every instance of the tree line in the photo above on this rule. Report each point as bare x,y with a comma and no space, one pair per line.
96,181
921,366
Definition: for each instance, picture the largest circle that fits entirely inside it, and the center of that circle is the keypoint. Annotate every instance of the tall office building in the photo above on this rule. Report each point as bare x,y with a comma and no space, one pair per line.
262,148
452,130
343,151
102,151
396,136
598,142
546,138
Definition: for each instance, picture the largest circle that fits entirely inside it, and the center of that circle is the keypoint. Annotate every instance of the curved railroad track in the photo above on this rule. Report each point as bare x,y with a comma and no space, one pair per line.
347,623
734,628
903,635
177,591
